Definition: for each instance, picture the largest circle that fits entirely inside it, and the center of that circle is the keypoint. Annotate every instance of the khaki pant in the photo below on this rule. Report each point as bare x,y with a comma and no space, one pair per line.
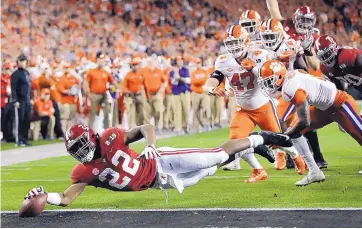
67,111
216,105
115,115
181,109
135,109
201,109
95,100
168,115
37,127
155,109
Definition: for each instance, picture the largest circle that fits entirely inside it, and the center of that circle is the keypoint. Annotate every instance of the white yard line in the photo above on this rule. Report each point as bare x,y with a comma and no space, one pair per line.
199,209
211,178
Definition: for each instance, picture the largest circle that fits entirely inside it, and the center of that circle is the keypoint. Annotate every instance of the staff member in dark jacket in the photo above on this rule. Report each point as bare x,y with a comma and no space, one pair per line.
20,95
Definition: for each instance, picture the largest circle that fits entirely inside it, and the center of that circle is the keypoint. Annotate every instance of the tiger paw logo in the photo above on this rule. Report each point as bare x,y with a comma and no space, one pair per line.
275,66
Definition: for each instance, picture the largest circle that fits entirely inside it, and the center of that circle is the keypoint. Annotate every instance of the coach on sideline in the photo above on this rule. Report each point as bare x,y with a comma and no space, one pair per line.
180,86
20,97
95,84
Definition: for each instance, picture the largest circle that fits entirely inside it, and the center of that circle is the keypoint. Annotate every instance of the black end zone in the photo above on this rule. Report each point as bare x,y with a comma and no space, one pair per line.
191,218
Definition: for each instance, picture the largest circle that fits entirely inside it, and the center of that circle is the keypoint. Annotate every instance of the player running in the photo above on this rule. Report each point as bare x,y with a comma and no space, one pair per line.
106,161
253,108
301,29
281,47
328,104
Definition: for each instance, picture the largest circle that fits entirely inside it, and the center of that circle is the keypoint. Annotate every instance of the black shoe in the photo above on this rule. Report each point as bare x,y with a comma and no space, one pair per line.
278,139
290,162
265,152
322,164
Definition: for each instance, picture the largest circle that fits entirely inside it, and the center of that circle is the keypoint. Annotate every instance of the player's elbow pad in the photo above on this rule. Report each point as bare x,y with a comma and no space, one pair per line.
217,75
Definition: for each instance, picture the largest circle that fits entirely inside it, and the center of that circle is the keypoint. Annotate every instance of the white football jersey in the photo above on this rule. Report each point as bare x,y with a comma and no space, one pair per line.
320,93
287,44
243,82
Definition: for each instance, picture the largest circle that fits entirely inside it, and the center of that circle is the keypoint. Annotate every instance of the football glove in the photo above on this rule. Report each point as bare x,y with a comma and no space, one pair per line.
150,152
34,192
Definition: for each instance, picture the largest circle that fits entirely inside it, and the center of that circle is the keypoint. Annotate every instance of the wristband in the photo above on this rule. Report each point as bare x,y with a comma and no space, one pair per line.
54,198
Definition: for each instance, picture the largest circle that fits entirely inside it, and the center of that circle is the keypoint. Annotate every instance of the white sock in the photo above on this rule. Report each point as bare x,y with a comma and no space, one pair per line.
302,146
245,151
255,140
292,151
252,161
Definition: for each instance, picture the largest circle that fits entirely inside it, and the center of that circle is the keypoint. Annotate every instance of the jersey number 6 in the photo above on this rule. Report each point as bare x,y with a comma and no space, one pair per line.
243,81
125,166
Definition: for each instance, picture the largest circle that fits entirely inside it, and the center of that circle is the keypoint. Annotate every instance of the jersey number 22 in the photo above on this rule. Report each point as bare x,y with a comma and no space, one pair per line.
125,167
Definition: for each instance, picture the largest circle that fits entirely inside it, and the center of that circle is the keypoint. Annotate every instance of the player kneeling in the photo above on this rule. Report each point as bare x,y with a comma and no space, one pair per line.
107,161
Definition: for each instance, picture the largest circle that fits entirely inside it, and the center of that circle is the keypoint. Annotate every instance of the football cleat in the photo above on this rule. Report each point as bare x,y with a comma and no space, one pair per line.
322,164
234,165
257,175
311,178
265,152
299,164
278,139
280,161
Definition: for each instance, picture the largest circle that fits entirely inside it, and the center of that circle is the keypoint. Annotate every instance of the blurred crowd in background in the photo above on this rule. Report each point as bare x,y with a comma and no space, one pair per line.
141,61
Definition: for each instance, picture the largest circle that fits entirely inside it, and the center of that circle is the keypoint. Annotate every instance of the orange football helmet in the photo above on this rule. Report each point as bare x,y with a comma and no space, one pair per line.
271,76
251,21
236,40
272,34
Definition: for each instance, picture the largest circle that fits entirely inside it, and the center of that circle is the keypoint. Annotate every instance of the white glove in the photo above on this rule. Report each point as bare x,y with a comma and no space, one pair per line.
34,192
150,152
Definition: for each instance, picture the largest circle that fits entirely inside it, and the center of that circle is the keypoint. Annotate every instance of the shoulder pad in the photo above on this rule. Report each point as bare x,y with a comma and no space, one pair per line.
347,56
222,59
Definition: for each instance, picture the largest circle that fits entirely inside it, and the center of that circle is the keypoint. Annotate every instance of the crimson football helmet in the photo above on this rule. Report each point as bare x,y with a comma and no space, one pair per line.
80,142
304,19
326,49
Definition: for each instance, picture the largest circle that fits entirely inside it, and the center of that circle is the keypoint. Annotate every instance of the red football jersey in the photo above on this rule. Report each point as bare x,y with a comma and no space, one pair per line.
347,68
119,168
289,28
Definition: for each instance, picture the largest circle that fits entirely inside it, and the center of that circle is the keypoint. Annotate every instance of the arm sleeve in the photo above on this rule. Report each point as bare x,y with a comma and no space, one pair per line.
218,75
14,82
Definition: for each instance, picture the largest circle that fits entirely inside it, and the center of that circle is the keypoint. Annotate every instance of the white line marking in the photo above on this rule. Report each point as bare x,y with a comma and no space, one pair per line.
211,178
14,169
198,209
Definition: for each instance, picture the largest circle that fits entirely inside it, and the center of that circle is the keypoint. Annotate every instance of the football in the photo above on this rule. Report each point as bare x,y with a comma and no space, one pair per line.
33,206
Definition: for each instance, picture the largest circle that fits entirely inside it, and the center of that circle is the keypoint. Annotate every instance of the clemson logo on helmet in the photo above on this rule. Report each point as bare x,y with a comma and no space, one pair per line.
275,66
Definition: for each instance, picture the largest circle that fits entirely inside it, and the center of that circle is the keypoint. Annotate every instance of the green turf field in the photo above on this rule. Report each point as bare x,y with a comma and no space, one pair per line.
11,145
342,188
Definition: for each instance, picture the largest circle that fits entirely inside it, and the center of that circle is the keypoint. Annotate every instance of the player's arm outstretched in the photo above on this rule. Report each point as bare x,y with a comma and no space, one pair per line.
62,198
273,8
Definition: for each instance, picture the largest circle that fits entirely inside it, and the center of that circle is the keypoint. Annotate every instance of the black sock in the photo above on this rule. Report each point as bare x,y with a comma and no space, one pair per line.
314,144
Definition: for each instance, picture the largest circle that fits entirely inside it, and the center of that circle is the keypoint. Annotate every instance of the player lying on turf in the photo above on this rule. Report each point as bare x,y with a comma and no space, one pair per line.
318,103
107,161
